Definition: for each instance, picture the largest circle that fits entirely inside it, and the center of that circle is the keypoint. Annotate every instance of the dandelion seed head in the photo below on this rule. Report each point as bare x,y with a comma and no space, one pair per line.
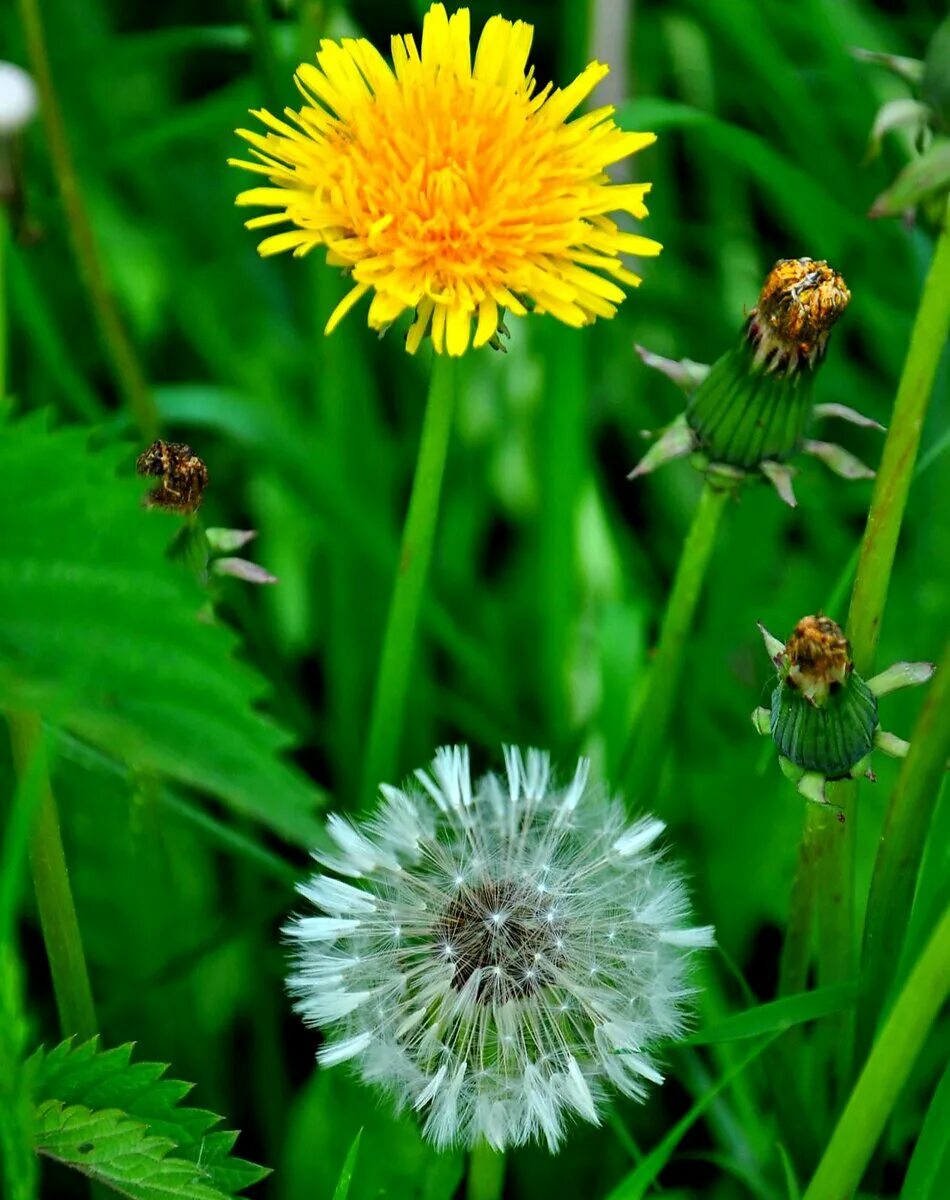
449,185
503,1008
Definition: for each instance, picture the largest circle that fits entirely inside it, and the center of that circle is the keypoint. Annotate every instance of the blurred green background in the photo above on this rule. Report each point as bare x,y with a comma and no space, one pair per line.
550,569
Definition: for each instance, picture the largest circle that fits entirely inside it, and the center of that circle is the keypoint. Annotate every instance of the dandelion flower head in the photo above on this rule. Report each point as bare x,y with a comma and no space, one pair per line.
496,955
449,186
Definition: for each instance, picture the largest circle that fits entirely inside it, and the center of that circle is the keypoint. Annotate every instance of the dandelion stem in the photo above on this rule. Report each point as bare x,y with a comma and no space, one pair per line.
486,1173
392,680
927,342
640,763
4,251
889,1064
900,851
115,338
54,897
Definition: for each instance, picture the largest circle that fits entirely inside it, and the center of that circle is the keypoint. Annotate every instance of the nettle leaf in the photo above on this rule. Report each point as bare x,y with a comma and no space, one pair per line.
123,1123
104,635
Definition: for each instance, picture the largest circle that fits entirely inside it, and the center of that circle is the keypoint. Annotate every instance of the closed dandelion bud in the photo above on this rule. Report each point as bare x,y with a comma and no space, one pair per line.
823,716
497,954
754,404
750,411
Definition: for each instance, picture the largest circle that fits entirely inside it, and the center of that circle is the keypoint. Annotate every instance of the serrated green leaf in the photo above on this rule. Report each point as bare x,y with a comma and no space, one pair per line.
132,1117
114,1150
102,635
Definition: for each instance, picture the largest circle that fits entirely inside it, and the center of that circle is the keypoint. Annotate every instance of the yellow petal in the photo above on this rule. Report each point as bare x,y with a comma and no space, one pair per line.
288,240
458,329
352,296
487,322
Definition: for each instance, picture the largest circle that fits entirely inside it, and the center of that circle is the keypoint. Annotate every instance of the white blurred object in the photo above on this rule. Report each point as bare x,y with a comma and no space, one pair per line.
18,99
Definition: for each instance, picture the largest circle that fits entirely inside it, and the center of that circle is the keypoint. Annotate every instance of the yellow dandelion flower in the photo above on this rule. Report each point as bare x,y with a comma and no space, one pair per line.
449,187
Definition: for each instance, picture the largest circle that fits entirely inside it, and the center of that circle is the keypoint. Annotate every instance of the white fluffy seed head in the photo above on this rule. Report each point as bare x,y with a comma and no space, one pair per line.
499,953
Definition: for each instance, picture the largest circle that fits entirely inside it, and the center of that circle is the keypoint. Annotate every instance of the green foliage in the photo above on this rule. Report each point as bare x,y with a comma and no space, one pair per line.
122,1124
182,817
105,635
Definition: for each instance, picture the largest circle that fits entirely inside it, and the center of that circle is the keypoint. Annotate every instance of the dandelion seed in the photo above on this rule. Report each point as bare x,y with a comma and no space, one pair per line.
504,1009
451,187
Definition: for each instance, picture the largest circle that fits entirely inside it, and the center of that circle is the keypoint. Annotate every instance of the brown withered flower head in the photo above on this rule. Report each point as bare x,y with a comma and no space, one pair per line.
818,657
800,301
183,476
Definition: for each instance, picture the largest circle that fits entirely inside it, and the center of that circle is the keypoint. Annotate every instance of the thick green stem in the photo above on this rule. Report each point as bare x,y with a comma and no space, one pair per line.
115,338
4,251
796,949
640,765
562,468
886,1071
486,1173
900,852
927,342
54,897
392,680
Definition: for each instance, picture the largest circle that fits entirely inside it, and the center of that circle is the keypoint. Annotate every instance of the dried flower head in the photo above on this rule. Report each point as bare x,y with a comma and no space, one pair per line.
183,475
506,951
749,412
823,716
800,301
818,656
448,186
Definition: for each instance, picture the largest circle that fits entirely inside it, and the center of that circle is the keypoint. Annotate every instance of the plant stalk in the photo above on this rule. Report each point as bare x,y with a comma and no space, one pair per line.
641,761
392,680
900,852
886,1071
486,1173
927,341
125,364
54,897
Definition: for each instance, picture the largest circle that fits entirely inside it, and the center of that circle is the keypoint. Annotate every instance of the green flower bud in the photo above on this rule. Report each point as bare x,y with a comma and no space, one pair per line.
755,404
823,716
749,413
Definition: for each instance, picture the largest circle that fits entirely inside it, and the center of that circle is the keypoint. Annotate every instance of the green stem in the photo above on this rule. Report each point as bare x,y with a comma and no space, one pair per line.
486,1173
257,19
837,945
886,1071
796,949
392,680
927,342
125,364
900,852
4,251
640,764
562,467
54,897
